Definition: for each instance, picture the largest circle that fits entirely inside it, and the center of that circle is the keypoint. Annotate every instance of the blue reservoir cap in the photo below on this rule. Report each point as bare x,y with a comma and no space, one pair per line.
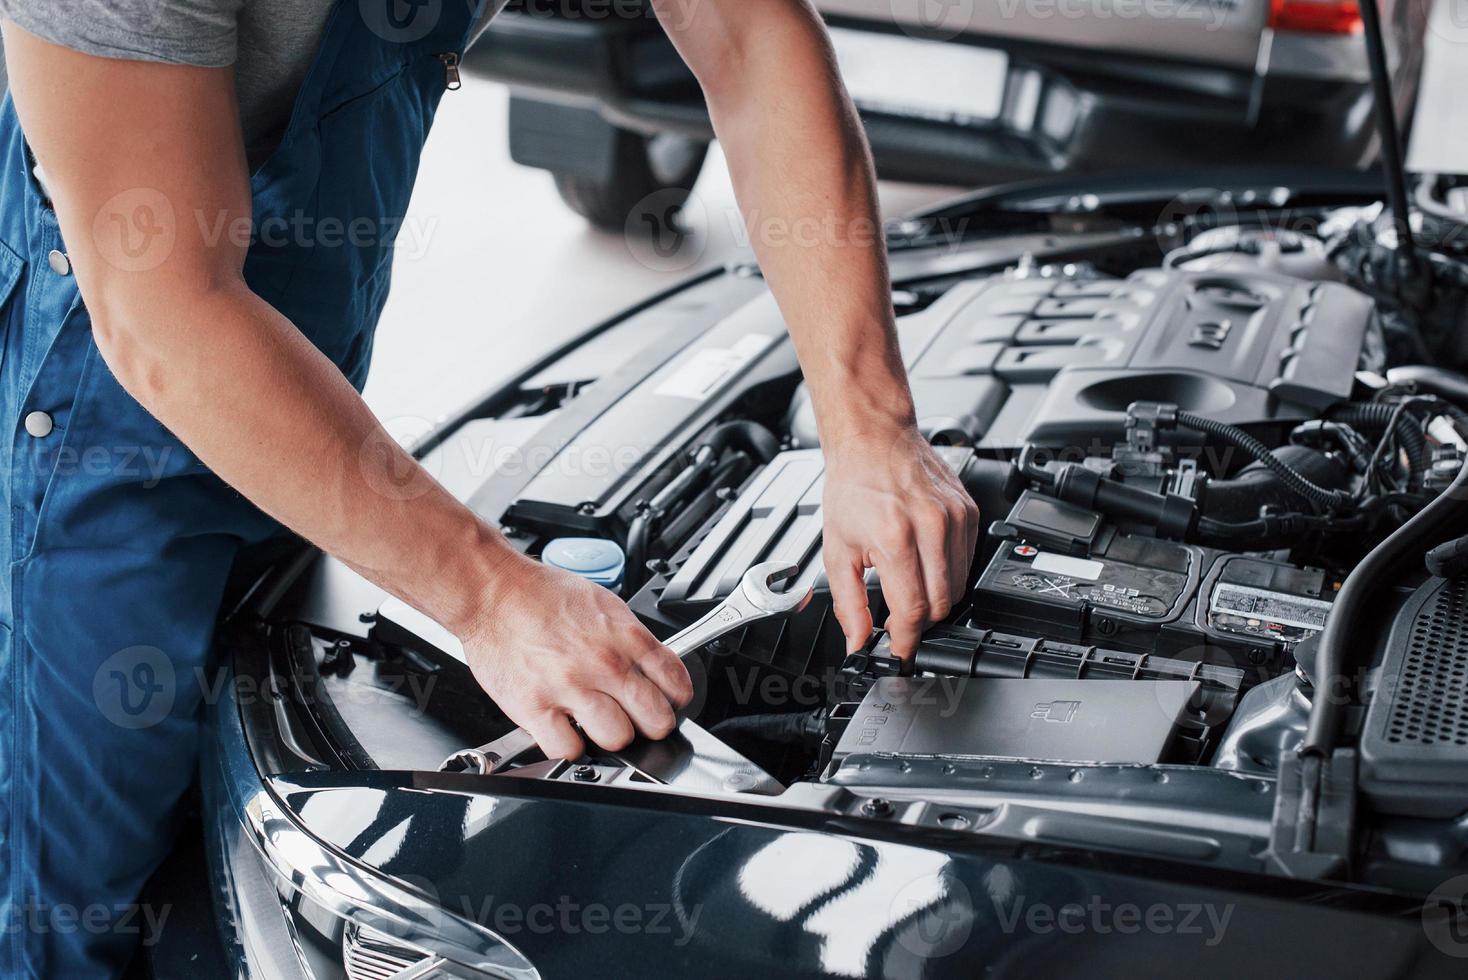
595,559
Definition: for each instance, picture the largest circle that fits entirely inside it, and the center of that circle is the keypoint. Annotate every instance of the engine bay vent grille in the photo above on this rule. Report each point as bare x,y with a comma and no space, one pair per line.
1430,704
1414,747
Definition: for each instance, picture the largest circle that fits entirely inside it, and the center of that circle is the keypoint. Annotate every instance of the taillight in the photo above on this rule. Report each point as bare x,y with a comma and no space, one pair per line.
1316,16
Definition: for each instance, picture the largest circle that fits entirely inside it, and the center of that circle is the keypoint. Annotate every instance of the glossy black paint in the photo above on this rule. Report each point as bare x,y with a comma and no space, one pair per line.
550,867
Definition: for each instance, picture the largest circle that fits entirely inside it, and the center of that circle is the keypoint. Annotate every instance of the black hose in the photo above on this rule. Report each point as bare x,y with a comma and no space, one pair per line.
784,729
1329,500
744,434
748,435
1240,500
1380,416
1437,522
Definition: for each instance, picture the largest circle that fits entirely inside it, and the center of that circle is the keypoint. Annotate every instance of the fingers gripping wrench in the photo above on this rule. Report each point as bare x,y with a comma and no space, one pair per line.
752,602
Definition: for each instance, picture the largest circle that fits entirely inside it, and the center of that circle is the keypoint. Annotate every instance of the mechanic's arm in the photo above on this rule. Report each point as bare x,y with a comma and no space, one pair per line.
803,178
246,392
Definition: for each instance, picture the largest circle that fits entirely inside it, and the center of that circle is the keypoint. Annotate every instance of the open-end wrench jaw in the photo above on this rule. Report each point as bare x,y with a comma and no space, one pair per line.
752,602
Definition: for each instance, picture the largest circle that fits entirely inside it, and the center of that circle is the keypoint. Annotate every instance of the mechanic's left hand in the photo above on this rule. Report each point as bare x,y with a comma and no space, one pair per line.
892,504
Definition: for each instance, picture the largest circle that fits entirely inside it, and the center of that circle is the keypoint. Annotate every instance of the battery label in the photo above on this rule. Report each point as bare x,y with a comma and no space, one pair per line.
1299,612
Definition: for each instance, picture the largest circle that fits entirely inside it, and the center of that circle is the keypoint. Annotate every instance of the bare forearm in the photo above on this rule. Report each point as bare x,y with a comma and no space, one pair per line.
246,392
804,182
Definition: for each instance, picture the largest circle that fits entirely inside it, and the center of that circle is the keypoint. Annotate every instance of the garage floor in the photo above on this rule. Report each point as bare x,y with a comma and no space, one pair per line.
493,271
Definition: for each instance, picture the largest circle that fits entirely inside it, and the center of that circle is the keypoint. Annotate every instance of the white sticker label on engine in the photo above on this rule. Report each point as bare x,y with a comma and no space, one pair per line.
1081,568
706,371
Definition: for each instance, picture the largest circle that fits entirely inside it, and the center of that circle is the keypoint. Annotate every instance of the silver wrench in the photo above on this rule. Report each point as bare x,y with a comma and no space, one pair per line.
752,602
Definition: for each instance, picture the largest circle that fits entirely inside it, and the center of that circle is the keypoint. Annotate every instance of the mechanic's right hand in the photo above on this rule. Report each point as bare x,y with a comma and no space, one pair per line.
555,647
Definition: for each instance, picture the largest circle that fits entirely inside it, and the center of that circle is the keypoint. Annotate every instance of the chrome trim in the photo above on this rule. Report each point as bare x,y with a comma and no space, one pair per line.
369,955
354,892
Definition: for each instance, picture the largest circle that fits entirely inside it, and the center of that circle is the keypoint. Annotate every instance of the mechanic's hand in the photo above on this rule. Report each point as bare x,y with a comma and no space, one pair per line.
554,647
892,504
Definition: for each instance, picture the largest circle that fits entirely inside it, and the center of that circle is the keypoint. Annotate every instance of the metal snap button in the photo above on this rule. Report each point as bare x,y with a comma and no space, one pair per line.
60,264
39,424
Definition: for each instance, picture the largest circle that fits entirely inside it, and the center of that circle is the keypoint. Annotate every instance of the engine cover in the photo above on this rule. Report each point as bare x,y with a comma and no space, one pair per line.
1005,362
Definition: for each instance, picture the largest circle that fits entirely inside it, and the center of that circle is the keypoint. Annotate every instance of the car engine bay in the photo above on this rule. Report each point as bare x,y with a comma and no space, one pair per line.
1185,444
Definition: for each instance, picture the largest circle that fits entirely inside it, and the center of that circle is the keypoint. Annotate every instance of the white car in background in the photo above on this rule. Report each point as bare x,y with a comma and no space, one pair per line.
968,92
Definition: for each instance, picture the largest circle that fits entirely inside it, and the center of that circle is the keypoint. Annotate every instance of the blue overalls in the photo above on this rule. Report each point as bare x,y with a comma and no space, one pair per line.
119,541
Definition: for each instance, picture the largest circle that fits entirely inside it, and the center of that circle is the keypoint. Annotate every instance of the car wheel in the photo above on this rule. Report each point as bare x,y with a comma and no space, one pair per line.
643,165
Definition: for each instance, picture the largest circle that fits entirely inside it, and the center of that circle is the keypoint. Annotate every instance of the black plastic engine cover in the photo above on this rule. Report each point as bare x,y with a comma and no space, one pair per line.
1035,718
777,517
1007,362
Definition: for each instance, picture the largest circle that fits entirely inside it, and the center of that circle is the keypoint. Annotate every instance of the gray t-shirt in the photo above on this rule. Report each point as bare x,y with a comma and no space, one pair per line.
271,43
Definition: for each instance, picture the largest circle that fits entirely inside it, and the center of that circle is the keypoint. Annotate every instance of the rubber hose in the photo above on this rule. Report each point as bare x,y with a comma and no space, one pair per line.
750,436
1437,522
1325,499
1432,380
1238,500
786,728
1408,431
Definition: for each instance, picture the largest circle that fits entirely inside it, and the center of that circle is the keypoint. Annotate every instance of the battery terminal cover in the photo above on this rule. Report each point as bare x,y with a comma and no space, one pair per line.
1075,721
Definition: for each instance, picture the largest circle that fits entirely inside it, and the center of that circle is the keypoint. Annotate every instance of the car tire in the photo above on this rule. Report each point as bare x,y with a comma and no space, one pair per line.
643,165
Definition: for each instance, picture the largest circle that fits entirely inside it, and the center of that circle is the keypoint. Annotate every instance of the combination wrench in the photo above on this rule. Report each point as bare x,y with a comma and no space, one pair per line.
690,749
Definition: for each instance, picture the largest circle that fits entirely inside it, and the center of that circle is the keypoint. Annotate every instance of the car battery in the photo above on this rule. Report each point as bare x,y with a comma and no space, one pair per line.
1065,573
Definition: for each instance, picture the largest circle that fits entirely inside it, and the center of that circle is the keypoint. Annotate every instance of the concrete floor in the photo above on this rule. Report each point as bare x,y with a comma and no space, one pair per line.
492,270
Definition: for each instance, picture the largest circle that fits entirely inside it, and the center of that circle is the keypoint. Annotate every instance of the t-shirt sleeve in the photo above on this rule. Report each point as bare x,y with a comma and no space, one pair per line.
180,32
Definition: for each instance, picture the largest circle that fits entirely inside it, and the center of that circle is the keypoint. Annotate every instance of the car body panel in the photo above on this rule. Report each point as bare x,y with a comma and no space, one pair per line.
551,869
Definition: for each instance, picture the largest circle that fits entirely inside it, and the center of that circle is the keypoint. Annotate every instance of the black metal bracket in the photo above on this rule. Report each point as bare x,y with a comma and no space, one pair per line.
1314,824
